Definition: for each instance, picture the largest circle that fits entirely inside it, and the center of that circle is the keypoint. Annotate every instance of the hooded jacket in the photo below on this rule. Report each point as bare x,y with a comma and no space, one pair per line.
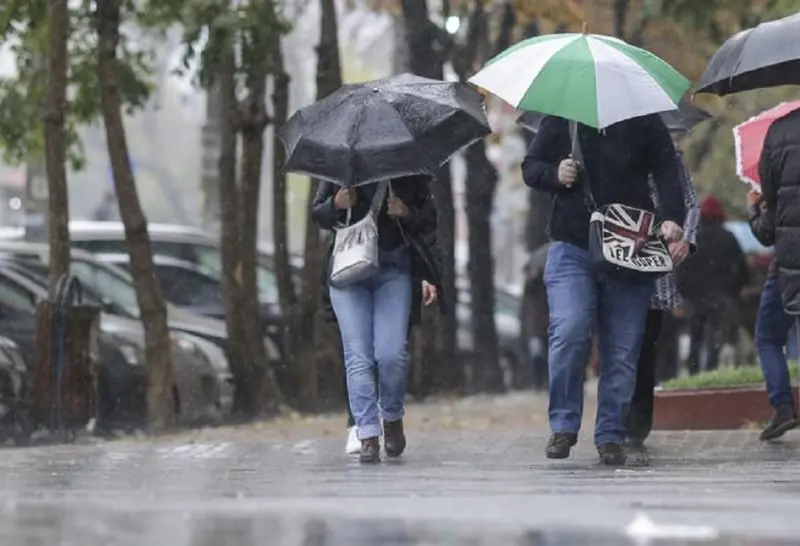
779,170
619,161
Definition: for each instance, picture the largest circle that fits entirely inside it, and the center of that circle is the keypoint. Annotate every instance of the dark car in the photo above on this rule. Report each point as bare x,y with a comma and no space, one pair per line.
121,381
197,289
118,294
186,243
507,311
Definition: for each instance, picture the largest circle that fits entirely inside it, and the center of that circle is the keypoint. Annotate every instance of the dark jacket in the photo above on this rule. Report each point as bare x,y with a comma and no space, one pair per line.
779,170
419,229
619,160
762,224
718,270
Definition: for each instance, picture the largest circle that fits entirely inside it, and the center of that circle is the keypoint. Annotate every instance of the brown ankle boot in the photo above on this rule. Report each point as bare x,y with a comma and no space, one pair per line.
370,451
394,439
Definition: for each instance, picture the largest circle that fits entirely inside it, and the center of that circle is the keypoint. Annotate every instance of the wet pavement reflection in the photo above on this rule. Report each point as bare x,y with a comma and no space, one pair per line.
35,524
472,489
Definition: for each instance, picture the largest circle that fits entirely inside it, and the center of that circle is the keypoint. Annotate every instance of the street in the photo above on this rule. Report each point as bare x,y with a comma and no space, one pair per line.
460,483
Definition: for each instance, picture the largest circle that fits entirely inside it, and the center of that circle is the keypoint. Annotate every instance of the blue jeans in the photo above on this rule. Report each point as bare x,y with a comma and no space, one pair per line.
373,317
772,330
579,299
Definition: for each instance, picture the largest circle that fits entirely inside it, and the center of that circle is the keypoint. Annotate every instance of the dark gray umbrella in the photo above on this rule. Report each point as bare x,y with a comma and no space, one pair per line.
677,121
399,126
765,56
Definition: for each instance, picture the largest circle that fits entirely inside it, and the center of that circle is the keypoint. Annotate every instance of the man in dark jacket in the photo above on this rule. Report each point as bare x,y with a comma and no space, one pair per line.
618,162
711,282
779,171
772,329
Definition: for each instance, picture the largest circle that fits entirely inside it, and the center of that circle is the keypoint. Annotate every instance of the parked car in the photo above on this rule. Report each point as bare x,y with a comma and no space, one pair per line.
186,243
198,290
118,294
507,312
15,423
202,343
121,381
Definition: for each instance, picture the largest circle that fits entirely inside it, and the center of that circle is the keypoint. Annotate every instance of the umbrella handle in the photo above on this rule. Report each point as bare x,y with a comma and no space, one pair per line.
348,217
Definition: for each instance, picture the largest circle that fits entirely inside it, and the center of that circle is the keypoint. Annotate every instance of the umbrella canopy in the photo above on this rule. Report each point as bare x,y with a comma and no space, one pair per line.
749,137
388,128
677,121
765,56
592,79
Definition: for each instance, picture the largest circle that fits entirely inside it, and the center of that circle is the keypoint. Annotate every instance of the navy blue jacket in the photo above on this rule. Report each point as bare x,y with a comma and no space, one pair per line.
618,161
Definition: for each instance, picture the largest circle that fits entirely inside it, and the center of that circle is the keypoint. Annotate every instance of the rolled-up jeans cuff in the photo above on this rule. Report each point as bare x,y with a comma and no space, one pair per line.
369,431
392,416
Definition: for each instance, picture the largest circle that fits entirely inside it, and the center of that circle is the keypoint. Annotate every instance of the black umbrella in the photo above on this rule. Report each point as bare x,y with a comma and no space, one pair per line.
398,126
765,56
677,121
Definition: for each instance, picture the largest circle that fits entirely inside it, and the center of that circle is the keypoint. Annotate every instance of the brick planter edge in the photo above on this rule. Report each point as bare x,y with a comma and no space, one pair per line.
712,409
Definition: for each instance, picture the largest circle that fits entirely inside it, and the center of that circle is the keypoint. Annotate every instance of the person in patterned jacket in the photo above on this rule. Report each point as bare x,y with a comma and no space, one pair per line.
666,299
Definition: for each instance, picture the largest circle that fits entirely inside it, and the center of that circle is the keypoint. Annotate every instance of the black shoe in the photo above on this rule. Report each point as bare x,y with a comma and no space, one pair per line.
370,451
783,420
394,438
560,444
612,454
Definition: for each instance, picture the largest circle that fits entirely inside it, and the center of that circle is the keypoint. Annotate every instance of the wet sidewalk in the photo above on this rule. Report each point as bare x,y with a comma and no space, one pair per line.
470,482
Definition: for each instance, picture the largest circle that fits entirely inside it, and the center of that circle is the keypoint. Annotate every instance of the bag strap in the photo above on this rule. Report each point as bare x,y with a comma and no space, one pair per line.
577,155
377,201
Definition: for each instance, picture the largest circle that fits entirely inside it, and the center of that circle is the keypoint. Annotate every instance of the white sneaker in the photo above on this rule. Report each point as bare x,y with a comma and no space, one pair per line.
353,446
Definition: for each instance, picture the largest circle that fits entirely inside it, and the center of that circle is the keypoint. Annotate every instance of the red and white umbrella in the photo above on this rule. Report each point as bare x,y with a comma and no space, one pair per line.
749,137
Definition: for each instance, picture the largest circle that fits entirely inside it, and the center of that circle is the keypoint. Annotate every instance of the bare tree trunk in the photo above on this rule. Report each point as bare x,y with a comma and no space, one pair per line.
440,370
254,122
539,203
620,18
480,197
55,145
307,353
245,377
160,400
287,294
481,180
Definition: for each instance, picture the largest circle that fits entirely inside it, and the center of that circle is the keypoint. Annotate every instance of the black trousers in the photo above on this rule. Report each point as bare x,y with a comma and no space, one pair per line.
707,326
640,416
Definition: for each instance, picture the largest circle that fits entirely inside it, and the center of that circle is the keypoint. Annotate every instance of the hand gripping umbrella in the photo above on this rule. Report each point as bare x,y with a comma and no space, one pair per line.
765,56
749,138
399,126
677,121
587,78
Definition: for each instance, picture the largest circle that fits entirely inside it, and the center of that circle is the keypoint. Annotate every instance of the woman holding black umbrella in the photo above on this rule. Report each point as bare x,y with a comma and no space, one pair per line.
375,146
374,313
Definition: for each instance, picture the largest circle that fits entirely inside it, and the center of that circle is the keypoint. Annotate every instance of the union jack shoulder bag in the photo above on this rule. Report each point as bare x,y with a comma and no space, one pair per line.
623,240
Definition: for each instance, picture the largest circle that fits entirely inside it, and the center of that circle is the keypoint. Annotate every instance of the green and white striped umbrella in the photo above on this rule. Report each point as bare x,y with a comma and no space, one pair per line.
589,78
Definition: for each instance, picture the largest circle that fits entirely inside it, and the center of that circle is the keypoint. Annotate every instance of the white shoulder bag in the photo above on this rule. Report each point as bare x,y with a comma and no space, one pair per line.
355,247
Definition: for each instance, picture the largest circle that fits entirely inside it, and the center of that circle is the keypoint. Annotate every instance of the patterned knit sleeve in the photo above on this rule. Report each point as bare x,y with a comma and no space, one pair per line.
692,208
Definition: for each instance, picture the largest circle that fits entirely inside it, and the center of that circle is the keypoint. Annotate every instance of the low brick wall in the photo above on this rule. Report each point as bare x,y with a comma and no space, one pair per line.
711,409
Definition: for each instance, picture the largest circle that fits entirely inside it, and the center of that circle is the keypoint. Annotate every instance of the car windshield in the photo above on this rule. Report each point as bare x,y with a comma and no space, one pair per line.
37,272
108,281
211,257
